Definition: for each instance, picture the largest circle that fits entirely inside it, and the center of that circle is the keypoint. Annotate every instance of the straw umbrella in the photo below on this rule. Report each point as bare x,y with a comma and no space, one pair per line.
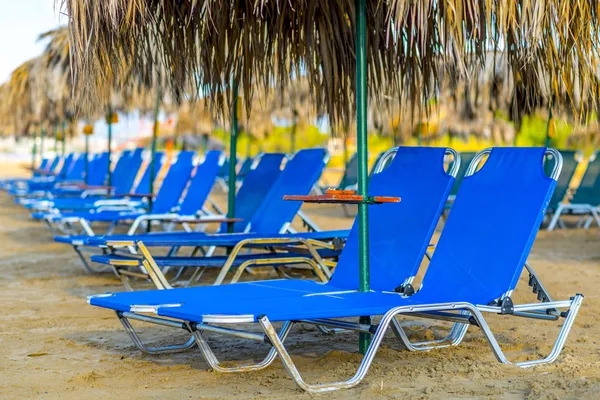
394,47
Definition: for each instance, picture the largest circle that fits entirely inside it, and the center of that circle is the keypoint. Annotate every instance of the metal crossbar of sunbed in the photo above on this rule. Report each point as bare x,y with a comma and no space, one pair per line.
474,270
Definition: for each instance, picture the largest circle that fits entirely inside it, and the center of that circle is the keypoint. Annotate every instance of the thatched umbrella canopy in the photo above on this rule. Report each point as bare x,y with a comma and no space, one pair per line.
411,45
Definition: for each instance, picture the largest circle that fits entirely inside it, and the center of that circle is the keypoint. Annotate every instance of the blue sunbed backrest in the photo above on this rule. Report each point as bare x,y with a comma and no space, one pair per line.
123,175
42,167
492,226
75,173
201,184
143,186
54,164
301,173
43,164
67,163
224,171
246,166
570,163
254,189
133,168
97,169
588,191
399,233
174,183
350,177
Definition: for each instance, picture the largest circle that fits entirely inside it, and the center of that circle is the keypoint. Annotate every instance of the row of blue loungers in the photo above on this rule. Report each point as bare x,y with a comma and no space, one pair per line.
474,269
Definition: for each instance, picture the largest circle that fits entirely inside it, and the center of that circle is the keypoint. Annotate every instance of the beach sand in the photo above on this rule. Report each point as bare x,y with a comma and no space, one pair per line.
53,345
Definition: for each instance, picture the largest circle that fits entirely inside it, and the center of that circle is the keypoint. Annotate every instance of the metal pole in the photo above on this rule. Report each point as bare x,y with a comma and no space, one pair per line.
109,121
232,158
548,138
87,157
64,140
361,141
34,150
56,130
153,152
293,132
42,134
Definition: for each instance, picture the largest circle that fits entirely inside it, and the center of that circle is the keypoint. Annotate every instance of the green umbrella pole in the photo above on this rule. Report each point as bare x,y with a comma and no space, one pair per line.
361,140
293,132
232,159
34,150
56,130
42,134
87,157
548,138
109,172
64,140
153,153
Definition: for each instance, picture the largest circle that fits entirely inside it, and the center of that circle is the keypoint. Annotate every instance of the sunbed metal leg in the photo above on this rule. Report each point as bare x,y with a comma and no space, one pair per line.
555,218
215,364
454,338
137,341
87,265
123,278
86,227
558,344
594,213
325,387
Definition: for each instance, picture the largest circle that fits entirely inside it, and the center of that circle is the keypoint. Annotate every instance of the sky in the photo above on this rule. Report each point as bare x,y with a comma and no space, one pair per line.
21,22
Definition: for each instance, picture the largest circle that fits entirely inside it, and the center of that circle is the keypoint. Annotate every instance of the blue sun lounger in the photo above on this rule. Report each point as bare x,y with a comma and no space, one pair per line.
83,196
586,199
457,286
272,216
71,170
416,172
45,170
164,203
248,199
125,201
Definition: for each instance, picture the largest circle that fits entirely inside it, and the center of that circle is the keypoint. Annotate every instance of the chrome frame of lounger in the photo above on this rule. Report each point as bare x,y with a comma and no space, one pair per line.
469,314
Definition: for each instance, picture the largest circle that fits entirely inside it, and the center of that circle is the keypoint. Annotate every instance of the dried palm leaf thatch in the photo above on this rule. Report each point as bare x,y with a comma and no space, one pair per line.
550,46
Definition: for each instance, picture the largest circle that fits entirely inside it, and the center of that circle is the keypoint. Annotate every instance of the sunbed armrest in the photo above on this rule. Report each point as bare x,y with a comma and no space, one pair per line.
135,195
343,197
71,184
210,220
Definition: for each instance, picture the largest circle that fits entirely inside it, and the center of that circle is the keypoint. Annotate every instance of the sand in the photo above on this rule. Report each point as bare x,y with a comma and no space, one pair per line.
53,345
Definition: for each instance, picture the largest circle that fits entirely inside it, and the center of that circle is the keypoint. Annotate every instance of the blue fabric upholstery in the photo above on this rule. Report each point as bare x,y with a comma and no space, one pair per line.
174,183
399,231
201,184
255,186
301,173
